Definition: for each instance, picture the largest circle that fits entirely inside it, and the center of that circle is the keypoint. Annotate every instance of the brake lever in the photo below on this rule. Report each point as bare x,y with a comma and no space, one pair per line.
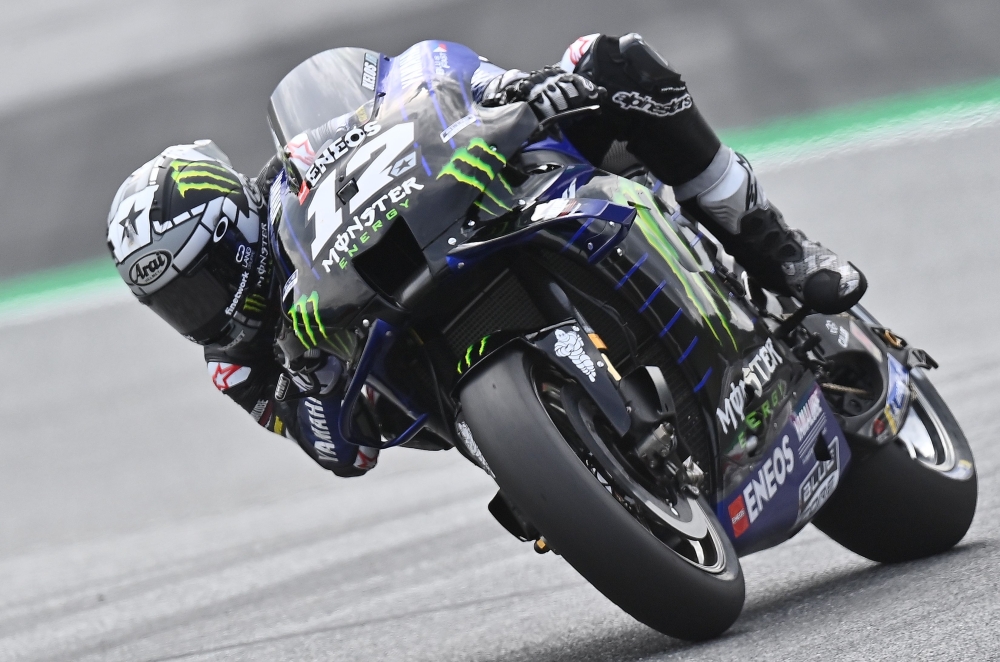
545,124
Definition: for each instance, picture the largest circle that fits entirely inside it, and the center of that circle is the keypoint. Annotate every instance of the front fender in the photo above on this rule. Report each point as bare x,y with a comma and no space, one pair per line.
566,346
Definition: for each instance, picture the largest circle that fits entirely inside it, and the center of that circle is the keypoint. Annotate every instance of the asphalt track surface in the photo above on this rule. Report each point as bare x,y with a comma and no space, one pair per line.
145,518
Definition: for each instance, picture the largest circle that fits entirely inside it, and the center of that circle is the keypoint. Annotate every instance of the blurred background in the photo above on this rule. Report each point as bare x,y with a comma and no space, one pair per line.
91,89
142,516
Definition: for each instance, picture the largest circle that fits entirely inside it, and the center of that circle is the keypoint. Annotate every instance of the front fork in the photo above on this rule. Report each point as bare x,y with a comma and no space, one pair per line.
638,406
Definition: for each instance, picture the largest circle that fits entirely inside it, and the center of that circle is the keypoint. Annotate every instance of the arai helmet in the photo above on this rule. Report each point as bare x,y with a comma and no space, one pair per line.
189,236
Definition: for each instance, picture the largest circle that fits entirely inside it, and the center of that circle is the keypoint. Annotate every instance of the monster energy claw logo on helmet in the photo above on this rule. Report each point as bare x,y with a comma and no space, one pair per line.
203,176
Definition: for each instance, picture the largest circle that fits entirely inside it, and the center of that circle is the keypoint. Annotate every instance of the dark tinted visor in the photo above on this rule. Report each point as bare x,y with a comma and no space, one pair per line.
194,305
195,302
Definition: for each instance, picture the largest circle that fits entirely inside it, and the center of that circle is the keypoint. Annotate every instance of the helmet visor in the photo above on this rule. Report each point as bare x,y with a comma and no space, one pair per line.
194,305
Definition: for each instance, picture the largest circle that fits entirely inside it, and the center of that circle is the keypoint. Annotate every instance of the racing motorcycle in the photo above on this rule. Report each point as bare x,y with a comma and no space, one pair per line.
647,410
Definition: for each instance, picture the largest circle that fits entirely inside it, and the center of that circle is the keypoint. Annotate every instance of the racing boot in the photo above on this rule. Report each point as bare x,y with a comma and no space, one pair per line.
728,200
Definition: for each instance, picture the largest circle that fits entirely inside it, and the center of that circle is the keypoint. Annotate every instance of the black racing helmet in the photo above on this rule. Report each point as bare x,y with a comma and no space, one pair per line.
189,236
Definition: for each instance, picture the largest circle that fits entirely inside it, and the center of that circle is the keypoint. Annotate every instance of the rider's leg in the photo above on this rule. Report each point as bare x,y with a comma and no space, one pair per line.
650,108
727,199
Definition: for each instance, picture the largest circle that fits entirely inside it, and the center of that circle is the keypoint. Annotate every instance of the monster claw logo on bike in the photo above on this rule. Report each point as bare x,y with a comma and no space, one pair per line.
301,324
340,341
484,163
468,353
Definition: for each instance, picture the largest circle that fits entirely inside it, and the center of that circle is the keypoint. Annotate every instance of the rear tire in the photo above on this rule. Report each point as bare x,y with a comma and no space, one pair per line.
891,507
539,471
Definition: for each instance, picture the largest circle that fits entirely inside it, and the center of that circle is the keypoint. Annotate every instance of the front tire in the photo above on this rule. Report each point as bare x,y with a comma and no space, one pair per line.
911,498
541,473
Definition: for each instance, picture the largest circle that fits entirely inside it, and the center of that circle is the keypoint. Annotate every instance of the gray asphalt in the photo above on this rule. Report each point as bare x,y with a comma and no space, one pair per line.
61,159
146,518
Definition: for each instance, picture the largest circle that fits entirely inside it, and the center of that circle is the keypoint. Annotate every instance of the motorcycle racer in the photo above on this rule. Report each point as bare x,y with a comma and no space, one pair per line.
189,234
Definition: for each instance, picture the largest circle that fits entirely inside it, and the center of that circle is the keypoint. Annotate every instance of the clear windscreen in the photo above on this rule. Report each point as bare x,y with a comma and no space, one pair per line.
326,86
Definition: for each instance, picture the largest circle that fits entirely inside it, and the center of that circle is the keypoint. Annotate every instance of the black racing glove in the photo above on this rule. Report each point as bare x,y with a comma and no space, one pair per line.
548,91
314,374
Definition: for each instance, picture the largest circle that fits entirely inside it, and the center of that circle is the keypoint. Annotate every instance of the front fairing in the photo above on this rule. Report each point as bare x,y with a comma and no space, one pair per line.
424,157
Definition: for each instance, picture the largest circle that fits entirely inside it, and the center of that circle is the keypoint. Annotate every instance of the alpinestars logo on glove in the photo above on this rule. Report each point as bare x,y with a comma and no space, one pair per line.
648,106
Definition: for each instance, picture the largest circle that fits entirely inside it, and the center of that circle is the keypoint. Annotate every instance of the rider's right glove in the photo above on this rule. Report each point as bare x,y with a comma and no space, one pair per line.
548,91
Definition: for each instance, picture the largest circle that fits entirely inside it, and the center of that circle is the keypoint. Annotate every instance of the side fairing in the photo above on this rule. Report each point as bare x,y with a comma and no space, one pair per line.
304,288
791,477
659,270
764,406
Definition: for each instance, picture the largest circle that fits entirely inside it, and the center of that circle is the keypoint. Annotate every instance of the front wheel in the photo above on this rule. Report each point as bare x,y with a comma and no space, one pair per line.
666,562
912,498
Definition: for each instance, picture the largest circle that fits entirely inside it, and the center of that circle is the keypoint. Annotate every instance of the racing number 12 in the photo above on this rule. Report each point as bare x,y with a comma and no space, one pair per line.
328,215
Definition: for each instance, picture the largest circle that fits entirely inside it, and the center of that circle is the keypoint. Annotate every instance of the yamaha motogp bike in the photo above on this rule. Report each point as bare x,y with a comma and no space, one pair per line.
646,409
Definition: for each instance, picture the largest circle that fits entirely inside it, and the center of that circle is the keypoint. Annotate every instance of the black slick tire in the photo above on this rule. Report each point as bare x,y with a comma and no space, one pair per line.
540,473
891,508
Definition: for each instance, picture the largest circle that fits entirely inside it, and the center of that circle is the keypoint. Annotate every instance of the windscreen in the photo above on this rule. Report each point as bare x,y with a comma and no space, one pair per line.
327,85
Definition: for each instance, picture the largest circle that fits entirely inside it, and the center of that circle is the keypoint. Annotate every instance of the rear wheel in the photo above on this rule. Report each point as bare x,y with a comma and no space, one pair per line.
657,553
912,498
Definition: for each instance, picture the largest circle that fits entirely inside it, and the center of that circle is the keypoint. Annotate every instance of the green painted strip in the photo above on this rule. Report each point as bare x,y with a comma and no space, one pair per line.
786,139
89,274
940,108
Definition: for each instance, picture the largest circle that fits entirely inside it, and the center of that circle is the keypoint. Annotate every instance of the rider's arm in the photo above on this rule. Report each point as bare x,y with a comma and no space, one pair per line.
255,384
648,107
268,173
647,110
547,91
314,426
250,383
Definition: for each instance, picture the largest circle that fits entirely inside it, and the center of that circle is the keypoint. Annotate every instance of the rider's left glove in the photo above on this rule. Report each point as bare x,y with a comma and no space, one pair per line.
548,91
315,375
